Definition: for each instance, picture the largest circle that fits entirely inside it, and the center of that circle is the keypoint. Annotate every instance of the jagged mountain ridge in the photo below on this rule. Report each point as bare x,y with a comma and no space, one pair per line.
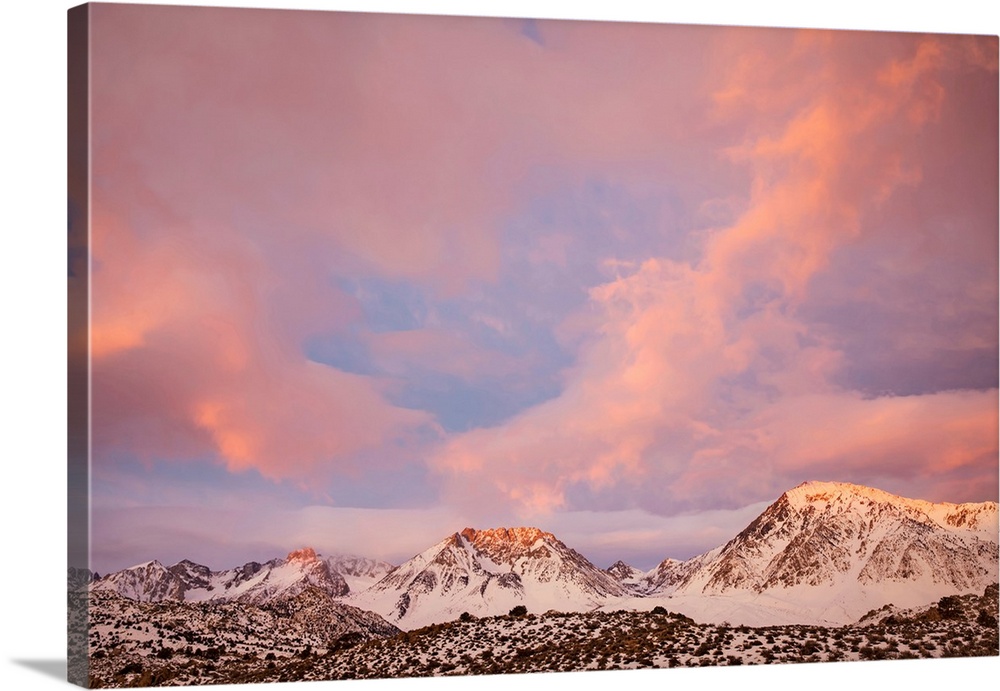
821,553
252,582
487,572
147,582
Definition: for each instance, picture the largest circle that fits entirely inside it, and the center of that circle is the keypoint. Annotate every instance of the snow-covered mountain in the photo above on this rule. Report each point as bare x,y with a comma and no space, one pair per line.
148,582
488,572
624,572
252,583
631,578
828,552
823,553
359,572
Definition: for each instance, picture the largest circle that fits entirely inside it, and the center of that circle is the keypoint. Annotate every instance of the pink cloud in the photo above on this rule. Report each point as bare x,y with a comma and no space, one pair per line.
233,177
903,436
383,143
703,376
195,352
236,178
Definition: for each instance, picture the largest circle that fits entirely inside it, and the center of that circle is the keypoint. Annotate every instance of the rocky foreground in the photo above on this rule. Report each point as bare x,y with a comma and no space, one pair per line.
269,645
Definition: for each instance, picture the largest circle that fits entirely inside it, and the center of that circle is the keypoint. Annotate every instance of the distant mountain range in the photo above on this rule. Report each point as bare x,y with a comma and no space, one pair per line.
252,583
822,553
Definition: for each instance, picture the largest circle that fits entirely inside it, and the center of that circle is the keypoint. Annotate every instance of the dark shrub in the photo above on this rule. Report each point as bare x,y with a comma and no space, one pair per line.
950,607
348,640
133,668
986,619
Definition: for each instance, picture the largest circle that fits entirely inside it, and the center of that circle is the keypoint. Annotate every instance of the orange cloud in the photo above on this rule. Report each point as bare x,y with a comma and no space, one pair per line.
920,435
195,353
701,374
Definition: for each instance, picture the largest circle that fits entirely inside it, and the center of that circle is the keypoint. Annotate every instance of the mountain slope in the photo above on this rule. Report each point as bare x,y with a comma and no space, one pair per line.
832,551
208,641
487,572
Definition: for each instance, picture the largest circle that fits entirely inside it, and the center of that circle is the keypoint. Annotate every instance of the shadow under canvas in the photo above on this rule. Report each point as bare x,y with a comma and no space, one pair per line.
50,667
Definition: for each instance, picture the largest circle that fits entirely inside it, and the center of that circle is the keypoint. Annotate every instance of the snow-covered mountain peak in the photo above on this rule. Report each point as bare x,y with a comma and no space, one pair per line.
842,498
632,579
526,537
505,546
821,494
150,581
624,572
305,555
851,543
191,575
188,563
488,572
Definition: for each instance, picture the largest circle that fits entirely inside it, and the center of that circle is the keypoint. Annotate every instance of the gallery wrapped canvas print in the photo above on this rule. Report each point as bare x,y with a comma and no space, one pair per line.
409,345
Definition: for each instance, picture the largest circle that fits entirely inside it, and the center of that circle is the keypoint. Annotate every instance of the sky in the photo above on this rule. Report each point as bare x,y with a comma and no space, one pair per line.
360,281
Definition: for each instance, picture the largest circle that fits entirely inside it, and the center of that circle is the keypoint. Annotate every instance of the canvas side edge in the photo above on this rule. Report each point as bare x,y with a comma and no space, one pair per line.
79,571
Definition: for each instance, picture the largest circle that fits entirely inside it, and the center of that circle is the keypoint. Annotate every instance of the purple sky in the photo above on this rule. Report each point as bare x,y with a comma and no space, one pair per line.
360,281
